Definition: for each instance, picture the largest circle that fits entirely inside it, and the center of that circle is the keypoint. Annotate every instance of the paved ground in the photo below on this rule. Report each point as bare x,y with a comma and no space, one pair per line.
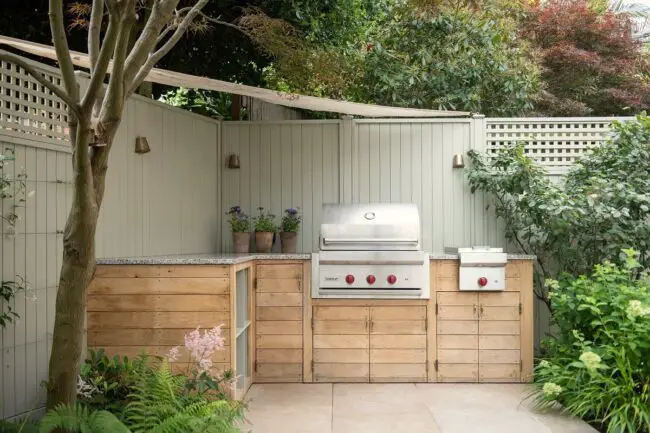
400,408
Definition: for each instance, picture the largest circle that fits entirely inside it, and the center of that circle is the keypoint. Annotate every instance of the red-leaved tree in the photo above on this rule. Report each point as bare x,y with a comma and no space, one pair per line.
592,64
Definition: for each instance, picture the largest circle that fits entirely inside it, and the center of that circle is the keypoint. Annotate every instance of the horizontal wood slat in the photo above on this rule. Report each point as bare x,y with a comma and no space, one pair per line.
279,299
279,327
353,356
141,337
489,356
278,285
398,372
219,356
278,341
279,271
159,271
396,327
398,356
157,319
349,327
457,312
146,286
341,313
500,313
398,341
397,313
278,313
499,373
340,372
458,342
457,327
279,356
457,298
287,371
499,327
499,342
457,372
341,341
457,356
158,303
499,299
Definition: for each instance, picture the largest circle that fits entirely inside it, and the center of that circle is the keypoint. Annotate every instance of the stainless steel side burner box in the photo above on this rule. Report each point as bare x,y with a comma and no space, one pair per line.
370,251
481,268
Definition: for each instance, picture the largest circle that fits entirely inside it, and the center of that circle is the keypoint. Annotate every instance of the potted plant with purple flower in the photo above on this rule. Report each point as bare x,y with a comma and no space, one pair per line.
240,227
290,227
265,229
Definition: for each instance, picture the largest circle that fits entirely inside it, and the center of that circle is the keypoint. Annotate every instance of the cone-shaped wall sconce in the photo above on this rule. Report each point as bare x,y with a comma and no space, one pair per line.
142,145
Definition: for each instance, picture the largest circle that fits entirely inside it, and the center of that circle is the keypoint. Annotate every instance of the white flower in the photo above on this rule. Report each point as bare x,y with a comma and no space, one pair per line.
590,360
551,284
636,309
544,364
173,354
551,389
84,389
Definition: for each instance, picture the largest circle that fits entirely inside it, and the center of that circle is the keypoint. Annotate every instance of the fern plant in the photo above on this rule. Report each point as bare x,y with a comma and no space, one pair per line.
158,404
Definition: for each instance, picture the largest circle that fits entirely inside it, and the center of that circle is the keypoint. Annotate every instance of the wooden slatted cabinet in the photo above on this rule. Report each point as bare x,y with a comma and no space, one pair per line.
279,301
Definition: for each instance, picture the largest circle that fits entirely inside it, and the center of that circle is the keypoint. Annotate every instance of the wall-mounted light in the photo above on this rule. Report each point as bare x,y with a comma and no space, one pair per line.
233,161
142,145
458,161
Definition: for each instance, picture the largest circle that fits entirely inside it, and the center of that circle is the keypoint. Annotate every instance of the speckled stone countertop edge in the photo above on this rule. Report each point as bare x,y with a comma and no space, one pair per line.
233,259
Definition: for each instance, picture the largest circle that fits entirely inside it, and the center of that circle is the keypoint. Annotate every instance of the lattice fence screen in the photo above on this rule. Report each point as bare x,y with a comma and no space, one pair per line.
555,143
29,108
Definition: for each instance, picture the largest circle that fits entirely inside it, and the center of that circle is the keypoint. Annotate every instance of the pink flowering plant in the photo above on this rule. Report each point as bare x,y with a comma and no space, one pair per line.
201,346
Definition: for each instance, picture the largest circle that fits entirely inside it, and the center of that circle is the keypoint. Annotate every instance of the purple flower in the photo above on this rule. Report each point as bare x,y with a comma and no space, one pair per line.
292,211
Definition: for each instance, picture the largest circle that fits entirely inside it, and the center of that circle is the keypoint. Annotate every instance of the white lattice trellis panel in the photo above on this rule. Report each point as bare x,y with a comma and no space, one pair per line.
29,108
555,143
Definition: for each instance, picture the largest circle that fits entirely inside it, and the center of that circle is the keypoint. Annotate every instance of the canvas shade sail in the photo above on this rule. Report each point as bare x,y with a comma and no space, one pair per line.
293,100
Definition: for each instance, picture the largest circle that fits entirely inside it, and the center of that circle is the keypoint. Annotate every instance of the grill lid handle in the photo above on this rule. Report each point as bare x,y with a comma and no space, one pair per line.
369,241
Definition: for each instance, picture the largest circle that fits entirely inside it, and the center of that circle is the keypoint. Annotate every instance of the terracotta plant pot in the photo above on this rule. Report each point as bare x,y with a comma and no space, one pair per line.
241,242
263,242
289,242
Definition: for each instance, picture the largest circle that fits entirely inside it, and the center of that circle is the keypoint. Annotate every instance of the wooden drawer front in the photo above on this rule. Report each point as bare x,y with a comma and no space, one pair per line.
458,373
279,271
341,372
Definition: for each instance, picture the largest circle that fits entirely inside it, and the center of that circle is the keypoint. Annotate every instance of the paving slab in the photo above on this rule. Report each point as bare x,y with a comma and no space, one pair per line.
401,408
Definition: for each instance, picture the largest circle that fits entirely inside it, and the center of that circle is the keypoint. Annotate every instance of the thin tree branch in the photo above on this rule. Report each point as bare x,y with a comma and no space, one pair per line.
225,23
94,30
62,50
72,104
163,34
99,72
160,16
171,42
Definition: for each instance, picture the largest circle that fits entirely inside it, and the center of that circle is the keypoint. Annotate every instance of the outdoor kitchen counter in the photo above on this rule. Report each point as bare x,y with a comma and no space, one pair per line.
200,259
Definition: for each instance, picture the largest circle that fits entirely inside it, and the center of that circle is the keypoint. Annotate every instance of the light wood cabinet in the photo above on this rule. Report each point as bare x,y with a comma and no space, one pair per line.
279,323
478,336
369,343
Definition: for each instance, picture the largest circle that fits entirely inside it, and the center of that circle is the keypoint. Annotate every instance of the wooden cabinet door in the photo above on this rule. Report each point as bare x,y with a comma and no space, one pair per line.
457,336
499,340
398,344
341,344
278,323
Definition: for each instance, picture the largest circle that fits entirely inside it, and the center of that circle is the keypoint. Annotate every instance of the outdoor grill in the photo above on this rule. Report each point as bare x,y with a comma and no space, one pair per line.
370,251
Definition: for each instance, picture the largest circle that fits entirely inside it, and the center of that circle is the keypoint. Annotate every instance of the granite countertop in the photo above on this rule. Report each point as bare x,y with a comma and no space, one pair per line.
233,259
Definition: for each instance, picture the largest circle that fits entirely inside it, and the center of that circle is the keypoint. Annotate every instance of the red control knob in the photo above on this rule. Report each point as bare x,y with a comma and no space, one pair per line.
349,279
392,279
482,282
371,279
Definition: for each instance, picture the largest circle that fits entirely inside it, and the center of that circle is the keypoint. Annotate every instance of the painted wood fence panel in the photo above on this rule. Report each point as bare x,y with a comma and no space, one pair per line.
283,164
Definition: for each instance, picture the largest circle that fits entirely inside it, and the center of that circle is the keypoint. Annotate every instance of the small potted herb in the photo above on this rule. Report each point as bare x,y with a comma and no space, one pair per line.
290,227
265,229
240,227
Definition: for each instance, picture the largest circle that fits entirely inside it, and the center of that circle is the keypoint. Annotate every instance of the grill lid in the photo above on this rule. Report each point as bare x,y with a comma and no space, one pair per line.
370,227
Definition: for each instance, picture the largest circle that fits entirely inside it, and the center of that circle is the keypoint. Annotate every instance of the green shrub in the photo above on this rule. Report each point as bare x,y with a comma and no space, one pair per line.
598,367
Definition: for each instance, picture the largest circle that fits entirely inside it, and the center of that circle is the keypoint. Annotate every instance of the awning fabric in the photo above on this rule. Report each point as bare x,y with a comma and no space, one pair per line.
293,100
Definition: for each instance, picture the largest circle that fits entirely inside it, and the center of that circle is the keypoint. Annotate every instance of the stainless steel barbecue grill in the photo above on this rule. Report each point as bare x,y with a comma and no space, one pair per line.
370,251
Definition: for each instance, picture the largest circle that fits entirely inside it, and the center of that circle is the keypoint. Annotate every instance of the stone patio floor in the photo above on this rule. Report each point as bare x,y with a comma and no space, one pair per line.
400,408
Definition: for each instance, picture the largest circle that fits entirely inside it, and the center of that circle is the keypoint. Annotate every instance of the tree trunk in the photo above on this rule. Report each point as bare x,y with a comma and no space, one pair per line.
76,272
